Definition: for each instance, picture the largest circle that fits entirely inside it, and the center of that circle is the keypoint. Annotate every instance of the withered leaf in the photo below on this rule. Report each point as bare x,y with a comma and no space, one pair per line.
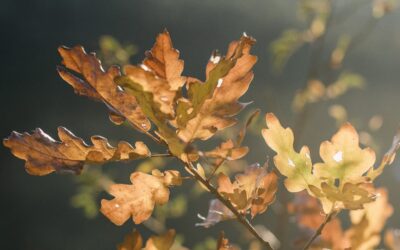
99,85
138,199
255,189
162,242
368,223
309,216
211,104
223,243
44,155
134,241
227,151
164,61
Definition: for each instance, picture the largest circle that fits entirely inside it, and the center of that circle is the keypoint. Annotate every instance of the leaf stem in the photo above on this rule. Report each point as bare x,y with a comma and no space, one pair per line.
161,155
317,233
243,220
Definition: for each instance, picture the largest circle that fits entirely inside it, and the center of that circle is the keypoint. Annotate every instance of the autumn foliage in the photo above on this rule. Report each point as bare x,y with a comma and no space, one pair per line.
175,111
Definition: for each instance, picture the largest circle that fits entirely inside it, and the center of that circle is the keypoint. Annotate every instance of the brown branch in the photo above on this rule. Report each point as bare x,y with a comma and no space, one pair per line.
161,155
243,220
317,233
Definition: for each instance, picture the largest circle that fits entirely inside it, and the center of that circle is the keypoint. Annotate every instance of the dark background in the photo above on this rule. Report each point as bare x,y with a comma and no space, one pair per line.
36,211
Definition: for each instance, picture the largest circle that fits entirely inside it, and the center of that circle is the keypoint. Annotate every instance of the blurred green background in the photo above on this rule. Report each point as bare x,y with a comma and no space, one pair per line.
36,212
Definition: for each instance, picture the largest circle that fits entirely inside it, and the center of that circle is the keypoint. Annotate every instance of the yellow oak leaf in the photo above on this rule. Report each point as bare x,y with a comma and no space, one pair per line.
44,155
138,199
343,158
297,167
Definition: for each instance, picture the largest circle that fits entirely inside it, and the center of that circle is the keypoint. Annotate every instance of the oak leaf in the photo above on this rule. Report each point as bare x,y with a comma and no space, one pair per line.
99,85
138,199
164,61
223,243
228,151
297,167
255,189
338,182
309,216
162,242
134,241
368,223
343,158
44,155
211,104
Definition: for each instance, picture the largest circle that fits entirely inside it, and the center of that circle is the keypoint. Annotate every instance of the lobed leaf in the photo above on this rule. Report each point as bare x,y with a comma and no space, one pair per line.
134,241
338,182
255,189
138,199
44,155
211,104
297,167
99,85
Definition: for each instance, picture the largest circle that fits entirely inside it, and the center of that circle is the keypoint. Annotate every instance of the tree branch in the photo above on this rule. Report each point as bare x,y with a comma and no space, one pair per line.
243,220
317,233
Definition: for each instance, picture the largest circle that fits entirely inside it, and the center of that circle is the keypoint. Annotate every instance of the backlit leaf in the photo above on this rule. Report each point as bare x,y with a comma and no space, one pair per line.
99,85
255,189
138,199
211,104
44,155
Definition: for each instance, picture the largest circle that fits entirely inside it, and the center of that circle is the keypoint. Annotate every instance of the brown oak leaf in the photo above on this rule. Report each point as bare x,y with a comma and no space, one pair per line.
44,155
99,85
138,199
255,189
163,60
134,241
211,104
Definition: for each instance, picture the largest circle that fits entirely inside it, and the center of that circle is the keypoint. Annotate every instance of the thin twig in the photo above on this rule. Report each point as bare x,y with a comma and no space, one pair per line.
243,220
317,233
161,155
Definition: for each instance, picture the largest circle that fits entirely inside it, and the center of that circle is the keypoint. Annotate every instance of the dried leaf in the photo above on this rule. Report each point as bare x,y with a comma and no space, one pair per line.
392,239
368,223
132,241
164,61
227,151
99,85
44,155
223,243
255,189
162,242
139,198
211,105
309,216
